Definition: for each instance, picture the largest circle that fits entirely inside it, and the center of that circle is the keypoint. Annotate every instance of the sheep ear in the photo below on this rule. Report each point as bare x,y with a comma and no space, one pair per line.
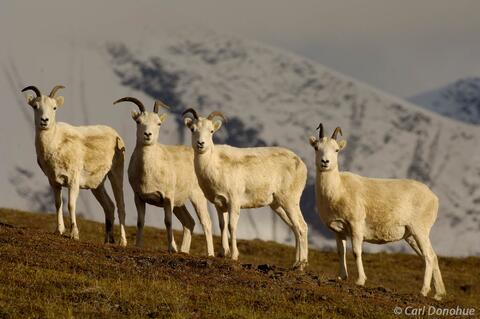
312,140
30,101
60,100
135,114
162,117
188,122
217,124
342,144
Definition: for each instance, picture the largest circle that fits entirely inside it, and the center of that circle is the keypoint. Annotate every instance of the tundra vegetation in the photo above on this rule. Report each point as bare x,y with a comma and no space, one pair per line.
49,276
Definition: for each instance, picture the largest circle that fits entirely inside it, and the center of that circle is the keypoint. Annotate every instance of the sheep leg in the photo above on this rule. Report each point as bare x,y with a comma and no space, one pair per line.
140,205
411,241
188,224
300,230
342,260
57,191
234,215
430,260
109,208
202,212
357,241
440,291
116,180
222,221
168,208
283,215
73,192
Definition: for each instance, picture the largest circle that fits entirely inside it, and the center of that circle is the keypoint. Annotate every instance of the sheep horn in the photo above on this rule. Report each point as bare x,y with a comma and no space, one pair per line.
34,89
158,104
190,110
215,114
55,89
337,130
321,133
133,100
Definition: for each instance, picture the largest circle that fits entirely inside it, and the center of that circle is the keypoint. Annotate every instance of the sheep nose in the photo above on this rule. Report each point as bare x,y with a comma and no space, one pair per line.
147,134
325,161
44,119
200,143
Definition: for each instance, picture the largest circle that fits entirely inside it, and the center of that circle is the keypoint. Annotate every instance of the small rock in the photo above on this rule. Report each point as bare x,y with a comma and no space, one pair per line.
382,289
466,288
264,268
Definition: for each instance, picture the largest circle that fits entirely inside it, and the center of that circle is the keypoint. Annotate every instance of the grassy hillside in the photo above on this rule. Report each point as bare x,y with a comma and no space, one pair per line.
45,275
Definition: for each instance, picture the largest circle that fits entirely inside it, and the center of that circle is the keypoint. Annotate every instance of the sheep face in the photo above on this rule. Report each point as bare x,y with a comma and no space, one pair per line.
326,152
202,133
45,108
148,126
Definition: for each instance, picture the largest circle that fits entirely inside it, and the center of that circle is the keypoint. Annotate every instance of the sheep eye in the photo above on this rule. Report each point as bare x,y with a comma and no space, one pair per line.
138,121
211,131
159,124
337,151
54,108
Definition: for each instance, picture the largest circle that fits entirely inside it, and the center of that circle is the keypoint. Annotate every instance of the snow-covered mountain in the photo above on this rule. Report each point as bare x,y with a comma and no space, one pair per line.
459,100
271,97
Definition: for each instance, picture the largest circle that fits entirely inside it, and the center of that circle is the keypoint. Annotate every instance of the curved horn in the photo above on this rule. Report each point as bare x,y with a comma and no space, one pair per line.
321,133
34,89
337,130
55,89
190,110
133,100
158,104
215,114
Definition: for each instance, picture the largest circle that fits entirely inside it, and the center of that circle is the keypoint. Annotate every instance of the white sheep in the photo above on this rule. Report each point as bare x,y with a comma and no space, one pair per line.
78,157
374,210
234,178
163,175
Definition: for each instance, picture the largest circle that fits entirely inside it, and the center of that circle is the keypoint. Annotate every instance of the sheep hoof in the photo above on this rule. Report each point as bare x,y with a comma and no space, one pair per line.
74,234
342,277
60,231
172,249
300,265
223,253
425,291
123,242
360,281
439,296
109,239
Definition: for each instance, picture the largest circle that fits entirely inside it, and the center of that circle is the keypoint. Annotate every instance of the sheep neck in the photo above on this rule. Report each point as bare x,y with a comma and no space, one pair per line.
329,183
147,154
45,141
207,164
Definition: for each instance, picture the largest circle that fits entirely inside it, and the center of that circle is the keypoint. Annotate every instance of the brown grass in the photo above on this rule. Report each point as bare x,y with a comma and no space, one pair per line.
47,276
